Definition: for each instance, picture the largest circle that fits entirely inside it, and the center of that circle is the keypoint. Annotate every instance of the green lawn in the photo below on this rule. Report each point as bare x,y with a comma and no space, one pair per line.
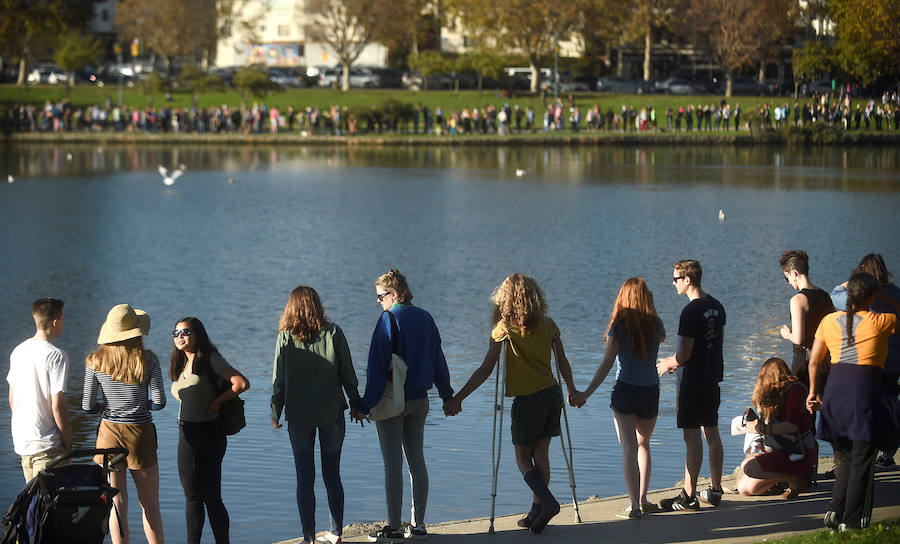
84,95
887,532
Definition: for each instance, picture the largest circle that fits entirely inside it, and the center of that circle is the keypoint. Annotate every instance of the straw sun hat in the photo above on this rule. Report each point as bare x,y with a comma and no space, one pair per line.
123,322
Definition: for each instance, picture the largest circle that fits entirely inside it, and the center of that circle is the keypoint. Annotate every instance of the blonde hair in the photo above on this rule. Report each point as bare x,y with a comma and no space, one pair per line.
122,361
394,281
519,303
634,312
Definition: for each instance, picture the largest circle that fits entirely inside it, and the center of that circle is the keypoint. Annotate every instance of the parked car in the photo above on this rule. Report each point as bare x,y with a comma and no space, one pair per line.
330,77
616,84
744,86
415,81
365,77
286,77
390,78
675,85
820,86
47,73
566,85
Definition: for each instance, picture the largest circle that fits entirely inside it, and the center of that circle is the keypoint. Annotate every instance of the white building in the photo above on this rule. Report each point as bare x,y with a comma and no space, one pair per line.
276,37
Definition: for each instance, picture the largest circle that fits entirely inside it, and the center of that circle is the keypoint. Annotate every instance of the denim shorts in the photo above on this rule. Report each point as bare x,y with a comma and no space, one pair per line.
640,400
536,416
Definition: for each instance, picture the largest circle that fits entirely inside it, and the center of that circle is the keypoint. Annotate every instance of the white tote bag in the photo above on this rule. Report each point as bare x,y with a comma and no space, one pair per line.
393,400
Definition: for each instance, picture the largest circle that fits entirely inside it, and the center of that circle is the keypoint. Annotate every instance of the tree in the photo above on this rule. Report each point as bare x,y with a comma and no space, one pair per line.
171,28
774,24
643,17
75,51
868,38
346,25
199,81
32,27
253,80
810,61
484,64
529,26
727,27
429,63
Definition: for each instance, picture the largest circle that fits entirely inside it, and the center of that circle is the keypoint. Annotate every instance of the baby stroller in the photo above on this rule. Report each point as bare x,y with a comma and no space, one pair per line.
65,503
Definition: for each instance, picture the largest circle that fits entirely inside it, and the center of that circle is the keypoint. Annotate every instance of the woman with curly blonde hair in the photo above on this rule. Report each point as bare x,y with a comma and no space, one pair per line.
530,336
779,399
632,341
311,373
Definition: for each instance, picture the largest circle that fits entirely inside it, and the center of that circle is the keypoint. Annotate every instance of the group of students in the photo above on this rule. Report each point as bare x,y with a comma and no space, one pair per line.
314,383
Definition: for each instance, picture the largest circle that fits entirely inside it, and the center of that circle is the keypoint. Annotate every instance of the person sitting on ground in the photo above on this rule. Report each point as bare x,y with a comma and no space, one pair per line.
780,401
531,337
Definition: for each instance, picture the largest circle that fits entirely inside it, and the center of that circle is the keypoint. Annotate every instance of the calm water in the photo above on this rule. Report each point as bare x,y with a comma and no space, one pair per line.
95,226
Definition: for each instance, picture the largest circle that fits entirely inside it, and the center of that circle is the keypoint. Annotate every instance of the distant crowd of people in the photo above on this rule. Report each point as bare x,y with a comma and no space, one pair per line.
845,367
839,111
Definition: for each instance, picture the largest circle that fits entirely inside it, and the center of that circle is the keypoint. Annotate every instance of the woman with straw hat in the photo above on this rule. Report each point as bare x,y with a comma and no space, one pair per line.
131,380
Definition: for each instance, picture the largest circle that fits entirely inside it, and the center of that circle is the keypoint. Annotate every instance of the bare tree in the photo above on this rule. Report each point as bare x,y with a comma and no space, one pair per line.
726,26
644,16
346,25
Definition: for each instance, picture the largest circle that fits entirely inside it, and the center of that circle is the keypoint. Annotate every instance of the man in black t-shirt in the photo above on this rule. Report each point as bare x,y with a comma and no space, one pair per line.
701,333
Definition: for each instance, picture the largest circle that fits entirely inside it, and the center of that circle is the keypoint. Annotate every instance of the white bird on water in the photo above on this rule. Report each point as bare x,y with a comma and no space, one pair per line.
721,216
169,179
232,180
520,172
10,179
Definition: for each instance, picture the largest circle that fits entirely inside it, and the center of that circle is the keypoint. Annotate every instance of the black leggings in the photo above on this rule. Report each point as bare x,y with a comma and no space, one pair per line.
201,448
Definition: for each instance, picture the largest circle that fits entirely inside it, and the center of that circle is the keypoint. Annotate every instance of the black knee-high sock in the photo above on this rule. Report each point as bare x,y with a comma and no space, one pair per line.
549,505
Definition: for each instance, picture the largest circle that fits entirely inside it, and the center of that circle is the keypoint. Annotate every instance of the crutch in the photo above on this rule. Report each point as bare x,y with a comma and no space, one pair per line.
496,438
568,458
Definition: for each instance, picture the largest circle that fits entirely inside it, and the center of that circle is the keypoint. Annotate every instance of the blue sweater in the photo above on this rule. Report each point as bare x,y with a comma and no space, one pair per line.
420,347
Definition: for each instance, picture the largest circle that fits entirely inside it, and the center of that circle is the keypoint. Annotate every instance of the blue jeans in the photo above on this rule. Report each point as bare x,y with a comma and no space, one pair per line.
331,440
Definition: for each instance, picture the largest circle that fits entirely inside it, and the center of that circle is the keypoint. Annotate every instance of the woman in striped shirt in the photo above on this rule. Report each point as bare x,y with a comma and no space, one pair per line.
131,381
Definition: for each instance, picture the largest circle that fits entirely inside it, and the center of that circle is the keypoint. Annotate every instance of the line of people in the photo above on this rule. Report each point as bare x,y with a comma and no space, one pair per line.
314,383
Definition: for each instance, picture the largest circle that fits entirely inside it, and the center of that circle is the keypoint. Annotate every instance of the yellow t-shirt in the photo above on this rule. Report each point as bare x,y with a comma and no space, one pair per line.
870,336
527,357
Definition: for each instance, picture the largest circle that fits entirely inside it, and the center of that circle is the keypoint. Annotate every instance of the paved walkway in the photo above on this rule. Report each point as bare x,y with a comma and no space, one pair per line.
736,520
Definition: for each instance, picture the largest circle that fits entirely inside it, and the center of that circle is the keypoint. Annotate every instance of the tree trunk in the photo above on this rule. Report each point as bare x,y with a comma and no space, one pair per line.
480,83
23,77
345,76
729,80
438,9
532,63
761,76
648,48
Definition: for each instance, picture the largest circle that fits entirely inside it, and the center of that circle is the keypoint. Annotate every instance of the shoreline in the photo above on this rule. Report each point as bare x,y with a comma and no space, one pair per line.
737,520
807,136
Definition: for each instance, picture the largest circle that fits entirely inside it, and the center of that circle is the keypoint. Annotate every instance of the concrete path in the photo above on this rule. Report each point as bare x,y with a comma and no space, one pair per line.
736,520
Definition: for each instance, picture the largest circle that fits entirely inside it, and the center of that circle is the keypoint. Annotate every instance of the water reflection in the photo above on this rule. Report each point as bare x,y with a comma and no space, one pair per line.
857,168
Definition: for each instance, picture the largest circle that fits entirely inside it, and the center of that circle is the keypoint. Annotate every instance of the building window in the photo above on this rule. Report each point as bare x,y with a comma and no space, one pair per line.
284,30
104,15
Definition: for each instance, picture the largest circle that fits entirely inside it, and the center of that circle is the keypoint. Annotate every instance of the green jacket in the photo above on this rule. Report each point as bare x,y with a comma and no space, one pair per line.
307,378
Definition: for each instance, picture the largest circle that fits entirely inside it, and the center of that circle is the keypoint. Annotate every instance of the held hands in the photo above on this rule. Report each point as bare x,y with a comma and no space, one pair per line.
359,417
666,365
578,398
452,406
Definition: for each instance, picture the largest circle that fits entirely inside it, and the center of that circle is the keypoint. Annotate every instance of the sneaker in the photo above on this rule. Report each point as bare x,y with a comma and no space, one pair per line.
884,461
628,513
711,496
415,532
831,520
650,508
386,534
681,502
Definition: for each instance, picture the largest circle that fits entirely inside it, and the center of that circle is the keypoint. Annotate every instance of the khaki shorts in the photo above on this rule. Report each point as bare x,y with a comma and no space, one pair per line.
32,464
139,438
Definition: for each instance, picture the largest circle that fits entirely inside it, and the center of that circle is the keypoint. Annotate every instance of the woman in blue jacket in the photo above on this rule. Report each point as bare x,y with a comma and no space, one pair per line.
418,342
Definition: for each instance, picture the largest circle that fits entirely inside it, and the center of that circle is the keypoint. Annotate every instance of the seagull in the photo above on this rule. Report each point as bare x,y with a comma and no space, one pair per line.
10,179
169,179
721,216
520,172
232,180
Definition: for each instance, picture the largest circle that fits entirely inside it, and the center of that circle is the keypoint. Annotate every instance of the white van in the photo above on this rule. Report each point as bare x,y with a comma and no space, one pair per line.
525,72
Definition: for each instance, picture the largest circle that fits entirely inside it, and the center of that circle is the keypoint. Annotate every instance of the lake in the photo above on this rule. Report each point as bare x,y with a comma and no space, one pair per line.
94,225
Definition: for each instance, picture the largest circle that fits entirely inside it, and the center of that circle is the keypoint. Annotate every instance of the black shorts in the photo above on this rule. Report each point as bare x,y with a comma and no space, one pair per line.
536,416
698,406
640,400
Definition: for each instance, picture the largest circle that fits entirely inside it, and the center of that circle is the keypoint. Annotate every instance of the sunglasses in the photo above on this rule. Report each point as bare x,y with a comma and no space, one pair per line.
676,278
382,295
178,333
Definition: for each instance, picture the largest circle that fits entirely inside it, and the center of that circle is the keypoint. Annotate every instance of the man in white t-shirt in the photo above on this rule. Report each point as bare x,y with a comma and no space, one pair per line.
38,372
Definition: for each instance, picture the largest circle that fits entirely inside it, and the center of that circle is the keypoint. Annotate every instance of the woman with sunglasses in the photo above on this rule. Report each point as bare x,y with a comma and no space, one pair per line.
196,368
413,332
312,371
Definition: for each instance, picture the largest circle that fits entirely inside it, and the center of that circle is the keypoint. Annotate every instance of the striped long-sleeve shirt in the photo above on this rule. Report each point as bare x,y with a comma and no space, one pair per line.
126,403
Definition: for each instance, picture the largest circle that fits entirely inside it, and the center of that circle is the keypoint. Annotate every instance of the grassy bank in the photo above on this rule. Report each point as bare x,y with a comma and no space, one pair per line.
887,532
